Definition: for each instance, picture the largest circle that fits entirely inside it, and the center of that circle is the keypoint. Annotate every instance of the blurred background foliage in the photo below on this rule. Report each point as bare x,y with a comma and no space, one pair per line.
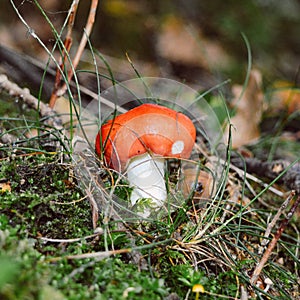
142,29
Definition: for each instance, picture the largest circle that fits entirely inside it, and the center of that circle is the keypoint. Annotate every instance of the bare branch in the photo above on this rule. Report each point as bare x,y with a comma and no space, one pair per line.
44,110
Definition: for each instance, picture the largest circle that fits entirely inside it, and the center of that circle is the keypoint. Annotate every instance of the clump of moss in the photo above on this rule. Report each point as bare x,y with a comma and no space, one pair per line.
43,197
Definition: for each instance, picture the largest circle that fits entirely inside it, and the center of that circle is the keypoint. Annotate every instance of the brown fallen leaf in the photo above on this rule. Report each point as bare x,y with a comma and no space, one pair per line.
195,181
177,43
249,107
286,96
5,187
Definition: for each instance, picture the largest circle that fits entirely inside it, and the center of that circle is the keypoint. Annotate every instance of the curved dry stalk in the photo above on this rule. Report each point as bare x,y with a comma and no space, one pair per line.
85,36
271,225
98,255
67,44
45,239
65,51
274,241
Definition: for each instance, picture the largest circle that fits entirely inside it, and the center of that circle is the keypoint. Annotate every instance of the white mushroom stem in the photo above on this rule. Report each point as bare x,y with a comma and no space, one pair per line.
268,283
145,174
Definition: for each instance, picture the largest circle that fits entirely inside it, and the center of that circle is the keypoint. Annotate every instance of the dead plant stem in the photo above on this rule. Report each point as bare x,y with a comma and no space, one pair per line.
85,36
68,42
274,241
63,58
44,110
275,219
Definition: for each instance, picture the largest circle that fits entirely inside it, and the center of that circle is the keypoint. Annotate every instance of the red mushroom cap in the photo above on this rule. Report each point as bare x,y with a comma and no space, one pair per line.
148,127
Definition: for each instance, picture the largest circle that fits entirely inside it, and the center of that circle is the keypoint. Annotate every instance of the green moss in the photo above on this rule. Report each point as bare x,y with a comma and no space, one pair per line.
43,198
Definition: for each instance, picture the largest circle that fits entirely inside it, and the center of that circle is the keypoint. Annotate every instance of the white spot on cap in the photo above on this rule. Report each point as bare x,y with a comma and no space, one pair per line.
177,147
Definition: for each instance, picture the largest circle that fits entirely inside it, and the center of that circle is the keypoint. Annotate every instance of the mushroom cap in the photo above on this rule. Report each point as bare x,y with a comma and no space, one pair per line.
146,128
198,288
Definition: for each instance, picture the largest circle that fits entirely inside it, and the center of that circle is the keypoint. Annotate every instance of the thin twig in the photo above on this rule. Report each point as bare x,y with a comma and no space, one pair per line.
241,172
44,110
283,171
86,34
94,207
275,219
70,240
99,255
35,36
274,241
104,254
65,52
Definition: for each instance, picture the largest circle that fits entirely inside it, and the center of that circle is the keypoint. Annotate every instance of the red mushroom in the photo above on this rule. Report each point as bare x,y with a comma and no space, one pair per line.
139,140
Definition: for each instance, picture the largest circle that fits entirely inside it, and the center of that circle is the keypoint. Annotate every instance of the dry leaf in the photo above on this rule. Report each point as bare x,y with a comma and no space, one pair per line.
194,181
177,43
249,108
31,133
286,96
5,187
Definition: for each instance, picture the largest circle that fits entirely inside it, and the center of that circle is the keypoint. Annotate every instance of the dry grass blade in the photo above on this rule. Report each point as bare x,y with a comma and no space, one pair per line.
85,36
275,219
68,42
66,49
98,255
274,241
